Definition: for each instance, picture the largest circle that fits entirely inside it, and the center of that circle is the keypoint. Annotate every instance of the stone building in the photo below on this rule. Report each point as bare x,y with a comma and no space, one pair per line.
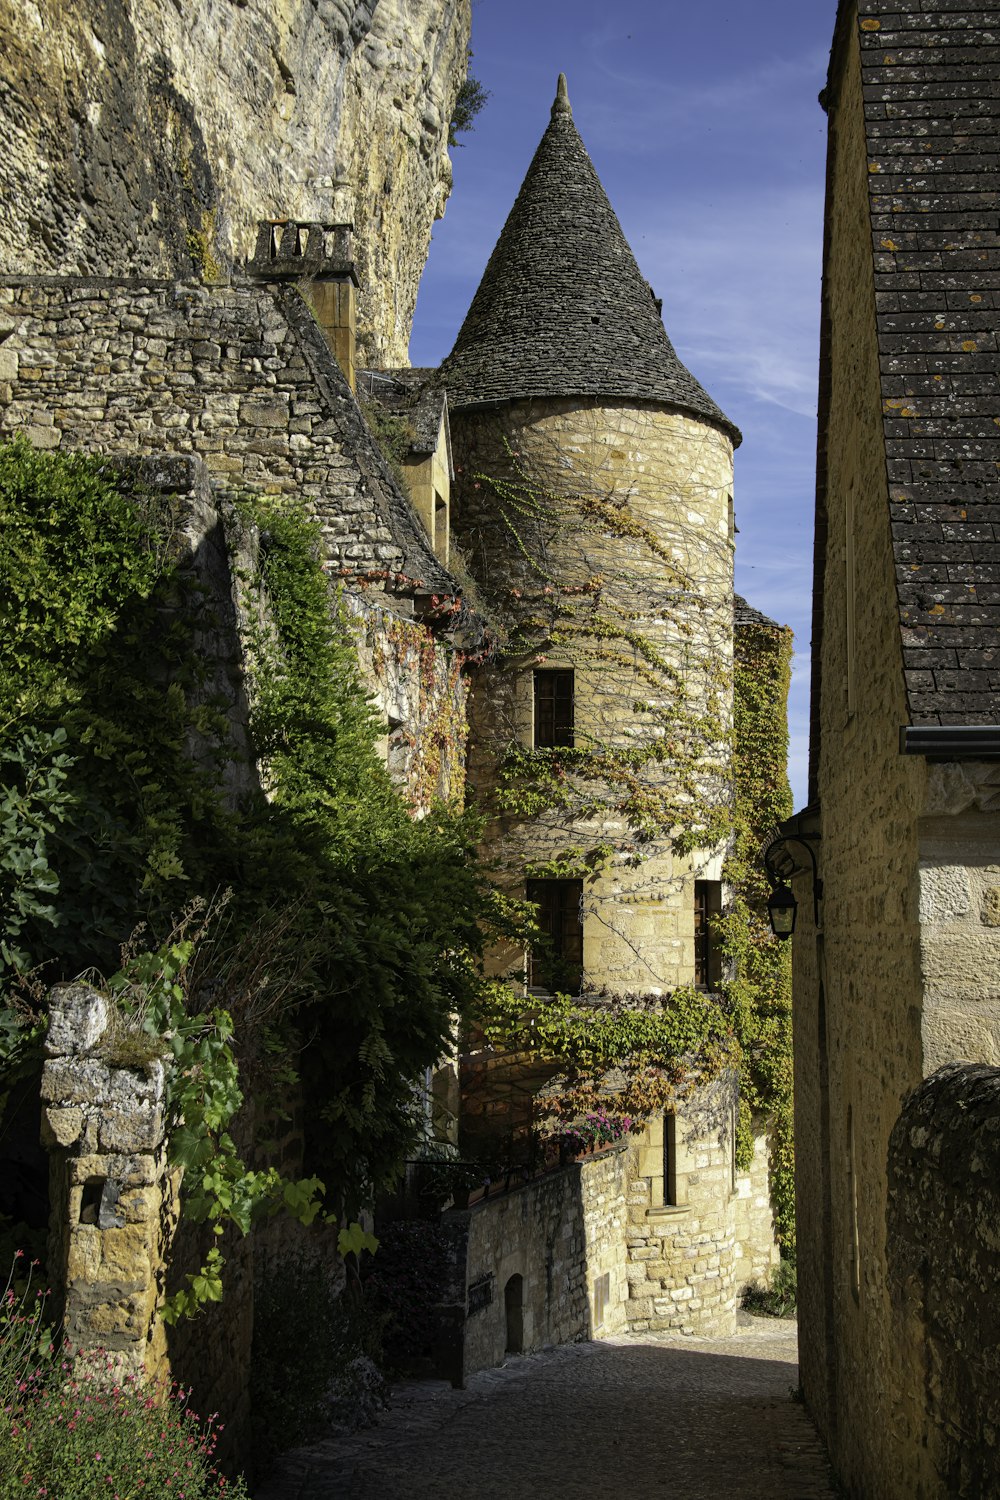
904,814
593,507
148,314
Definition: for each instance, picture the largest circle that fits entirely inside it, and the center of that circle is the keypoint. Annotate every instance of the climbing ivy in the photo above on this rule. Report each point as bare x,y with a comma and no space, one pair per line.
644,627
657,1056
434,738
352,934
396,908
679,775
576,573
156,1015
760,993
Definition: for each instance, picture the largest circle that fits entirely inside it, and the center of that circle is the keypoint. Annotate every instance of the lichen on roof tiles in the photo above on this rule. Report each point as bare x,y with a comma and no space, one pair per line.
563,309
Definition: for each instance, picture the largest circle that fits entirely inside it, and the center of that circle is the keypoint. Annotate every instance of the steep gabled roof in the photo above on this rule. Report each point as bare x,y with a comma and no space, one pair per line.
931,76
563,309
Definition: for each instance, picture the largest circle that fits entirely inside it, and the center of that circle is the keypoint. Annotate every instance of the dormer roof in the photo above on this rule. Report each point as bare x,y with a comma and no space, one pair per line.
563,309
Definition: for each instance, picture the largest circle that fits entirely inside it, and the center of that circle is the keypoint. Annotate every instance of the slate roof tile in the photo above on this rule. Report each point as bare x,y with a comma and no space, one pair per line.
563,309
931,86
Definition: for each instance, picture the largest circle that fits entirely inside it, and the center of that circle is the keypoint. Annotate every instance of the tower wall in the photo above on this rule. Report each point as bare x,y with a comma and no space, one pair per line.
604,531
639,498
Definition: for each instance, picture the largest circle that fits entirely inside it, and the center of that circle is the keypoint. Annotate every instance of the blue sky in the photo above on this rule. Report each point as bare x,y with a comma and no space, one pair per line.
703,124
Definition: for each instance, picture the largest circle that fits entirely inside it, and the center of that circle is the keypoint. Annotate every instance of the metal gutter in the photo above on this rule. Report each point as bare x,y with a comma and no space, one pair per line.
951,741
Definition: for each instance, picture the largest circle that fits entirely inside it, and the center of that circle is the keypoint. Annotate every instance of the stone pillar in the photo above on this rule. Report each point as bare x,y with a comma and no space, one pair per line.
103,1124
335,306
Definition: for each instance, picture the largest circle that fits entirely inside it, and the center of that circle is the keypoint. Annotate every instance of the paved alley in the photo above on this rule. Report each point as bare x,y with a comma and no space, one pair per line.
637,1414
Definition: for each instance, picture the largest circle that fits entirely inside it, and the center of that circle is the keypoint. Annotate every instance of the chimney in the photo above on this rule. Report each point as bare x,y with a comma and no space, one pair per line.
320,257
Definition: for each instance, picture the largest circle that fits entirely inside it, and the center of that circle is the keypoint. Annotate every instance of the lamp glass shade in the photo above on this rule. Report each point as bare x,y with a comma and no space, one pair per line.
781,908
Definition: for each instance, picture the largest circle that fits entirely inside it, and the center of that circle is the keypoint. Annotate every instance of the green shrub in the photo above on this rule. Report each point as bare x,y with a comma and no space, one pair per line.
777,1300
110,822
406,1282
74,1431
316,1358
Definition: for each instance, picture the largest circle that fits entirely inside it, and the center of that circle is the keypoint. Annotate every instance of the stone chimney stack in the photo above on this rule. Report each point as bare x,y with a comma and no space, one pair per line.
320,257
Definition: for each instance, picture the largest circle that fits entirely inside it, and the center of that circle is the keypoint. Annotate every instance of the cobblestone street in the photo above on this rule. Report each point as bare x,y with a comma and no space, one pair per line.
639,1413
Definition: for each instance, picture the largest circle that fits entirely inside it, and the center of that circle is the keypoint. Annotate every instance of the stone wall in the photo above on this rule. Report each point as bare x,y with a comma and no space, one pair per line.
959,906
551,1242
149,138
675,475
901,976
857,984
118,1240
944,1265
240,377
683,1257
756,1254
104,1126
417,685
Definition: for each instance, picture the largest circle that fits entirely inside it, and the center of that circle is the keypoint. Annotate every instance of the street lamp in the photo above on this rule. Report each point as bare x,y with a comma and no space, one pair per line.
781,909
781,902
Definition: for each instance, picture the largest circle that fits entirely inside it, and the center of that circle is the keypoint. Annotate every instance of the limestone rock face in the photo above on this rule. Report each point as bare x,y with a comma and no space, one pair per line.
150,135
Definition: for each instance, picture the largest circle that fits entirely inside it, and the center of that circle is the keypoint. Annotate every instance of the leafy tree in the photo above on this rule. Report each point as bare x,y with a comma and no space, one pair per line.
469,102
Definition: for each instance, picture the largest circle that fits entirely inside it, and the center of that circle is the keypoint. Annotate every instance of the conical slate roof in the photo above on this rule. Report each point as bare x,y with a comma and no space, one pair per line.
563,309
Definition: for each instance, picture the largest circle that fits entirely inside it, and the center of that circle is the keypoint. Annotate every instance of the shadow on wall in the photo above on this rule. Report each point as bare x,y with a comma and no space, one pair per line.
944,1267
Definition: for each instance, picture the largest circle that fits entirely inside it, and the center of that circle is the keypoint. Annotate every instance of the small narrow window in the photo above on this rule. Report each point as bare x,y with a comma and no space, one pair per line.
670,1159
553,709
850,589
854,1261
557,965
707,959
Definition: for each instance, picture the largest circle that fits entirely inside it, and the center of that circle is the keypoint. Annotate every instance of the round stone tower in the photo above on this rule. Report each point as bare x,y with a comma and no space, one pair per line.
593,510
593,505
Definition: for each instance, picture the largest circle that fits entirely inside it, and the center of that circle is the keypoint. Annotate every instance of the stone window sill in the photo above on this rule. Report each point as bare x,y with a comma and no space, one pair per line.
668,1211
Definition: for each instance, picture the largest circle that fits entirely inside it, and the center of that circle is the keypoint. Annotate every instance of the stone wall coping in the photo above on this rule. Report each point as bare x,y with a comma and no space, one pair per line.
158,283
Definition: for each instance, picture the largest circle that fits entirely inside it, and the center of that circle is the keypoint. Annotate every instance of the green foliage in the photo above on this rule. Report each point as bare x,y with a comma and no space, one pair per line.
70,1427
203,1095
356,926
658,1054
393,907
316,1356
33,801
760,993
405,1284
779,1300
469,102
108,820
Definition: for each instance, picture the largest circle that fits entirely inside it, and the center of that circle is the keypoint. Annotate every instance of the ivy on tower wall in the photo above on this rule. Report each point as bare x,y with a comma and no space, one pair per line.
760,992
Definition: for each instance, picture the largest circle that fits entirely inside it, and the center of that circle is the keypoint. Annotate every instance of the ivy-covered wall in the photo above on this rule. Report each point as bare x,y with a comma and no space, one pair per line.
280,922
600,535
760,989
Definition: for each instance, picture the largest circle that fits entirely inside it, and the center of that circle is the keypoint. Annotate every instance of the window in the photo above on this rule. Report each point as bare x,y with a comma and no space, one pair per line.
553,708
851,587
558,964
707,959
669,1158
602,1296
